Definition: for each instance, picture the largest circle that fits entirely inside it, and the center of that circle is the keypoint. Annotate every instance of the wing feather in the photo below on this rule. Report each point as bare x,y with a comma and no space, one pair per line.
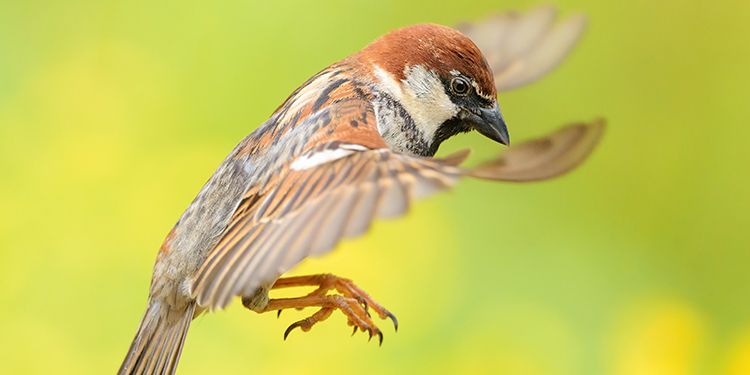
363,211
545,157
336,200
523,47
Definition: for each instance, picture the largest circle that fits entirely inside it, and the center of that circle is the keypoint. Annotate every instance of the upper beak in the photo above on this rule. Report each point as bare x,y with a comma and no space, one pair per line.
490,123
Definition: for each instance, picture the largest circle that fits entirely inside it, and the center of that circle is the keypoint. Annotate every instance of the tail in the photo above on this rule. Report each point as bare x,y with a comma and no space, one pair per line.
157,345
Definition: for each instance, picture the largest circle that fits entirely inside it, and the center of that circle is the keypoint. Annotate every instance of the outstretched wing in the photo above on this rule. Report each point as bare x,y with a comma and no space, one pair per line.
545,157
330,193
522,47
336,190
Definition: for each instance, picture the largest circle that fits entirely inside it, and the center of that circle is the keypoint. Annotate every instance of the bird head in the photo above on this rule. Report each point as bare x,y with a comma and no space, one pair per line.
441,80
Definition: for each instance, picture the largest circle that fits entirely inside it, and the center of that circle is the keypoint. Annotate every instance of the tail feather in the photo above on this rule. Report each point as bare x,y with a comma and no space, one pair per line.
158,343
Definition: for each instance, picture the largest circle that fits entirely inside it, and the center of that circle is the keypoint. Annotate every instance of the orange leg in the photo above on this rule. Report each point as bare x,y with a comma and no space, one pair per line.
350,300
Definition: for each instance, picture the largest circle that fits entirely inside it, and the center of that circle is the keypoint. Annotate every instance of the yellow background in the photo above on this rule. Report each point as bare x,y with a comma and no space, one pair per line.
113,114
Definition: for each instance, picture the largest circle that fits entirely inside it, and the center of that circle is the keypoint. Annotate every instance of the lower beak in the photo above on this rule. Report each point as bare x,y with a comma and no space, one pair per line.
490,123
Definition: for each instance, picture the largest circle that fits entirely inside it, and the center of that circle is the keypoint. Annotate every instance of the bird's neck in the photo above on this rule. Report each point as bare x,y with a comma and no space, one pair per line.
398,129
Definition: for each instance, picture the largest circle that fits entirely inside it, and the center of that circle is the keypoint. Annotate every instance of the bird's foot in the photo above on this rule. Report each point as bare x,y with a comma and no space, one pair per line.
350,300
328,282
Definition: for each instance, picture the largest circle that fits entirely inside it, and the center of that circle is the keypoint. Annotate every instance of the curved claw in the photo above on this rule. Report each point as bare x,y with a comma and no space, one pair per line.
278,314
374,332
291,327
393,319
354,330
364,304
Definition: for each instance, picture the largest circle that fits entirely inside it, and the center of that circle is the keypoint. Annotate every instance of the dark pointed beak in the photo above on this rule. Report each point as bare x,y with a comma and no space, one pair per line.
490,123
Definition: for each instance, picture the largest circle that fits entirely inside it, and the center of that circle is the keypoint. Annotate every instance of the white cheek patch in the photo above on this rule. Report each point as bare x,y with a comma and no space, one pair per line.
316,158
423,96
426,100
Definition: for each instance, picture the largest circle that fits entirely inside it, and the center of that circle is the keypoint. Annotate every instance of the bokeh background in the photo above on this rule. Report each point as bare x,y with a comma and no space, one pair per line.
113,114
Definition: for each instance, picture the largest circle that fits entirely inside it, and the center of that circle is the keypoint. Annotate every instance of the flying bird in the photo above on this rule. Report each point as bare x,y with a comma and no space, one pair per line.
353,143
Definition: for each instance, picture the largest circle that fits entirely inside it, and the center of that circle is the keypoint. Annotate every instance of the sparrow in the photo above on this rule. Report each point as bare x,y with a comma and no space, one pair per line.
353,143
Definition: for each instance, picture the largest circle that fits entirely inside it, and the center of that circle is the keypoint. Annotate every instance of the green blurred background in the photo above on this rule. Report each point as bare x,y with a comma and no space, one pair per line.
113,114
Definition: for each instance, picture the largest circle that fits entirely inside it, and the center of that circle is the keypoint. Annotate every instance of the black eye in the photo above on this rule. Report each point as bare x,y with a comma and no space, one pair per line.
460,86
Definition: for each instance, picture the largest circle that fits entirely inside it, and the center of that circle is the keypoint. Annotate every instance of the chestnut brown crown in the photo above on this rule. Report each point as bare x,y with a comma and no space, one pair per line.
439,48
